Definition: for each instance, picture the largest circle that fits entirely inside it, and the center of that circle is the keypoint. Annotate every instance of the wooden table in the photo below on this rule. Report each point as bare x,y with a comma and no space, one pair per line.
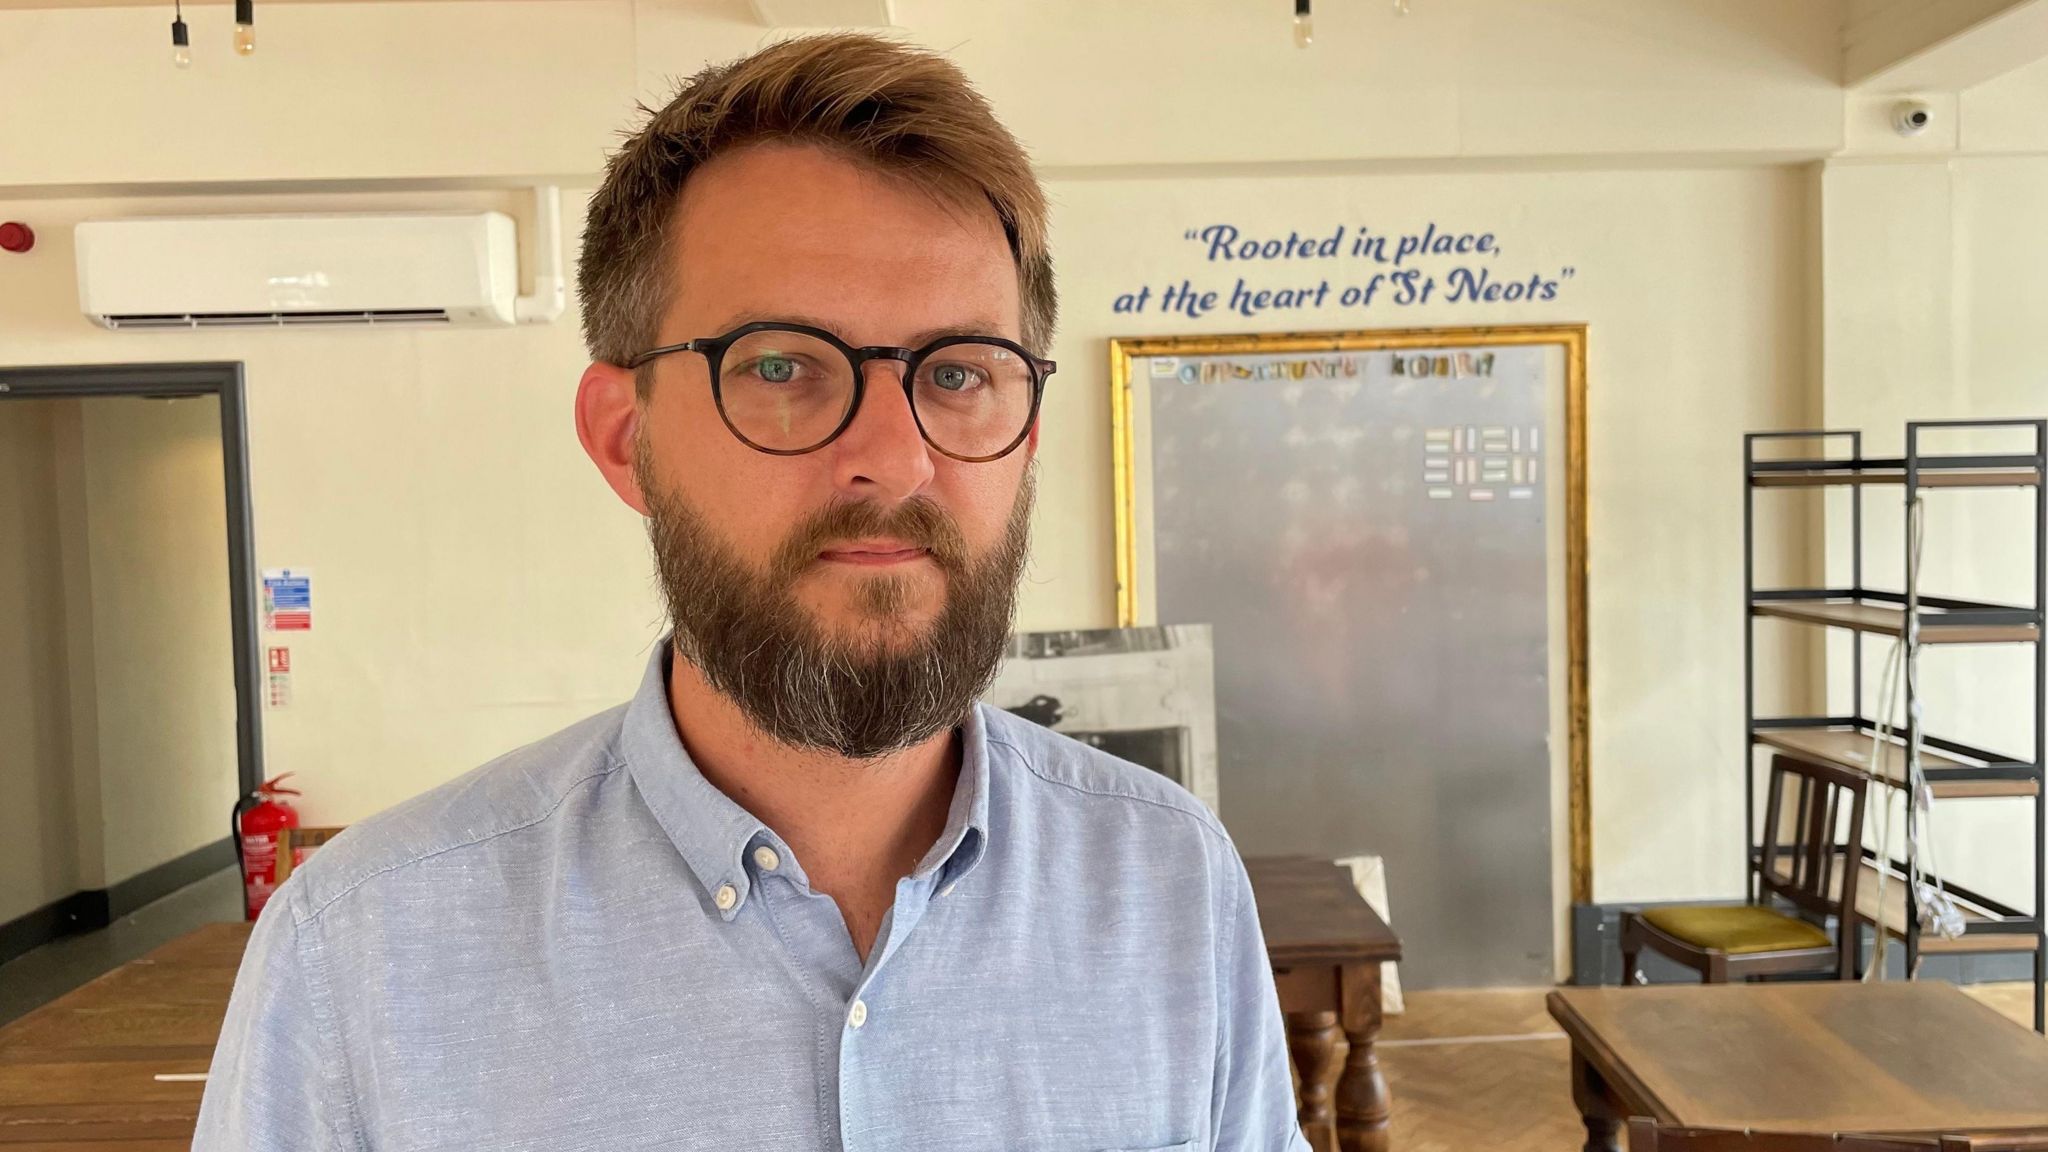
79,1073
1326,945
1918,1059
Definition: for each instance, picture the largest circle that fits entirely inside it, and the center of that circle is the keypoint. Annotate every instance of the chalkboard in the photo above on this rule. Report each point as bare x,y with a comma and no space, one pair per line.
1385,530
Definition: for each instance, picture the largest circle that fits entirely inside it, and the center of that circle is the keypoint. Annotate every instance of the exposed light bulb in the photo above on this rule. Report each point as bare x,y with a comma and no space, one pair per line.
181,43
1304,24
245,27
1400,7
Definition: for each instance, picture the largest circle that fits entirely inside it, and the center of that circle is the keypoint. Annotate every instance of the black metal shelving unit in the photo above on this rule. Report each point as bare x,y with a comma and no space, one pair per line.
1952,770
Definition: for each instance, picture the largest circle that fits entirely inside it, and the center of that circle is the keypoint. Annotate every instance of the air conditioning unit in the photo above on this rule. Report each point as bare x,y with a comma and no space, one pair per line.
444,268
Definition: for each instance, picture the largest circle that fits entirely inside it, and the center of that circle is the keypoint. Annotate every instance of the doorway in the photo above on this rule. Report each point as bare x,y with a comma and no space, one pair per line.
130,719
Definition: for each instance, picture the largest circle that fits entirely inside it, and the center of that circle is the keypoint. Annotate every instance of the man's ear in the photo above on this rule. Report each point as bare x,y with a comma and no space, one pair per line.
608,424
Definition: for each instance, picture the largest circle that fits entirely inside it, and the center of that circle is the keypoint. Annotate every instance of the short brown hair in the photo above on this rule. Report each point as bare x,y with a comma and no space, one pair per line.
901,110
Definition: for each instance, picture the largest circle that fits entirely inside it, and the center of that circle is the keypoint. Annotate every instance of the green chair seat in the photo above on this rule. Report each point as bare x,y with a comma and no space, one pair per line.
1737,929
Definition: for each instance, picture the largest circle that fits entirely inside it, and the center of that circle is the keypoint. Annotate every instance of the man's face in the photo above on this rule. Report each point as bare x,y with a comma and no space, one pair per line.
892,567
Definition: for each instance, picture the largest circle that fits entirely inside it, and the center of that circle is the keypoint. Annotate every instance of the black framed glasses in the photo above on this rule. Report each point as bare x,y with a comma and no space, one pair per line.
788,389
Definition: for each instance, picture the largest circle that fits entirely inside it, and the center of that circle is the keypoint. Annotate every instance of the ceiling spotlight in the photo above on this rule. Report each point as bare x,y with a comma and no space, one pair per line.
1304,24
245,27
181,38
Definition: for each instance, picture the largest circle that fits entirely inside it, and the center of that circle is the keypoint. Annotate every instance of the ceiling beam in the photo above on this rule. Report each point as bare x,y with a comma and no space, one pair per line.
1939,45
825,13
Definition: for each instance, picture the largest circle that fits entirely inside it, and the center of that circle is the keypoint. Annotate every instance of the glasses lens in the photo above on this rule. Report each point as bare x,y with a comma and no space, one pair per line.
974,398
784,391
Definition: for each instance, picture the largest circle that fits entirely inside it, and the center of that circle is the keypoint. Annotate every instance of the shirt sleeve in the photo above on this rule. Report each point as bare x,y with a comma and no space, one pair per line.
1253,1098
276,1082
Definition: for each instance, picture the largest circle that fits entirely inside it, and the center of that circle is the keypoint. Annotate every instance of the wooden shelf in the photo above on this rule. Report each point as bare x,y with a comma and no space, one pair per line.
1849,748
1848,743
1892,917
1833,477
1890,620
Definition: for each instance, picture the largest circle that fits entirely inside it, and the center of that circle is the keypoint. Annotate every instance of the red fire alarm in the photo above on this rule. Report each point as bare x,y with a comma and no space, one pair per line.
16,237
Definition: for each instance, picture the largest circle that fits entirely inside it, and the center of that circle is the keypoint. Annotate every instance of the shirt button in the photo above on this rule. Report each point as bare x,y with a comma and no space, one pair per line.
767,859
726,897
859,1015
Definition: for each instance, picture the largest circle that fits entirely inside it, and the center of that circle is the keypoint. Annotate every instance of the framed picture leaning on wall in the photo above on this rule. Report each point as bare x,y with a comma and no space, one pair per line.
1387,532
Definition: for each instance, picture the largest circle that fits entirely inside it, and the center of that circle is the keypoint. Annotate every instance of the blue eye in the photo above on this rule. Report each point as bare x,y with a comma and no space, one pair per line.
775,369
954,377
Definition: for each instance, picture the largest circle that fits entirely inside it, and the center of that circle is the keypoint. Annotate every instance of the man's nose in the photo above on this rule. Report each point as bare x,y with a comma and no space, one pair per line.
882,454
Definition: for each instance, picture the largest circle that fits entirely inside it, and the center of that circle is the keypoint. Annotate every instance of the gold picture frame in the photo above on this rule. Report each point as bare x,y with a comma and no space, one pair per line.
1571,338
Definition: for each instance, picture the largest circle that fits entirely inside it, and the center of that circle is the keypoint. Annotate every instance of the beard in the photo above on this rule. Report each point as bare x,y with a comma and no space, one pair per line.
881,687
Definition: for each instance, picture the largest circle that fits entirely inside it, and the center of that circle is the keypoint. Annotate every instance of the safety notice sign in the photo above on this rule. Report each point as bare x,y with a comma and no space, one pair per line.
280,677
287,600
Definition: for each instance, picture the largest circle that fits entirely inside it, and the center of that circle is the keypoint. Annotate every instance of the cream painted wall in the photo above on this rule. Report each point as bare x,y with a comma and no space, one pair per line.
492,90
403,91
81,664
2004,115
164,680
475,584
1935,273
1219,82
38,852
112,530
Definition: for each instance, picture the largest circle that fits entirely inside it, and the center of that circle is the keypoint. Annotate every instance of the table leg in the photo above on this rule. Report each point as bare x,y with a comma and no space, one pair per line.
1312,1041
1363,1108
1603,1134
1596,1106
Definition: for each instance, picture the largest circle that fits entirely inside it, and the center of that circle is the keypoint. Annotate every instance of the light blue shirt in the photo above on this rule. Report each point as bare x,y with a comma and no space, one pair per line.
585,945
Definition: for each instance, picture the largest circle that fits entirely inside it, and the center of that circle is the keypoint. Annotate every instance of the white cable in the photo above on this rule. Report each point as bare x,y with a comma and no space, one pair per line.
1937,908
550,288
1880,741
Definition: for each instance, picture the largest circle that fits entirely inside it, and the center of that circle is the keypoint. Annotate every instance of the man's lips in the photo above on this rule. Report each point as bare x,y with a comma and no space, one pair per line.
874,553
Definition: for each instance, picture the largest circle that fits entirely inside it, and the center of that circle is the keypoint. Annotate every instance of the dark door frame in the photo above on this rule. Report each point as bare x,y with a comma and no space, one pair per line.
165,381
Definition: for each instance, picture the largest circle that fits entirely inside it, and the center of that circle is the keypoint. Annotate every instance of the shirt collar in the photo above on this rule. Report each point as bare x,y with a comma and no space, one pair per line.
965,838
715,835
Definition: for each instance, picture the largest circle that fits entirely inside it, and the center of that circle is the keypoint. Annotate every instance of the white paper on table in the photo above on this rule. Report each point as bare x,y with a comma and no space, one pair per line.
1369,876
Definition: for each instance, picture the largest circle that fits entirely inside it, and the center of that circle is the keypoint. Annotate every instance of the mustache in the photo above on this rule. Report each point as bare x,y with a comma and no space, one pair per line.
919,522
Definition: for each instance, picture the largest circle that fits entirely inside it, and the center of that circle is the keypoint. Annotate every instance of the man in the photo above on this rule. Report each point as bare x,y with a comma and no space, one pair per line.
802,892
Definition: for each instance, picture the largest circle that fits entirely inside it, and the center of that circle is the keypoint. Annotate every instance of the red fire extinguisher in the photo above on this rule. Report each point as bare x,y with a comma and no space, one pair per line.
259,817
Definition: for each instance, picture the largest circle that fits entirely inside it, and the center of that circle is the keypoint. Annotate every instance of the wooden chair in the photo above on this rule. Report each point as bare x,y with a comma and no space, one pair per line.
1814,874
1649,1136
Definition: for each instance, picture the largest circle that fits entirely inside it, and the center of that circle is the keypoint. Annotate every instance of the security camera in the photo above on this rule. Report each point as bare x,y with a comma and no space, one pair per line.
1911,117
